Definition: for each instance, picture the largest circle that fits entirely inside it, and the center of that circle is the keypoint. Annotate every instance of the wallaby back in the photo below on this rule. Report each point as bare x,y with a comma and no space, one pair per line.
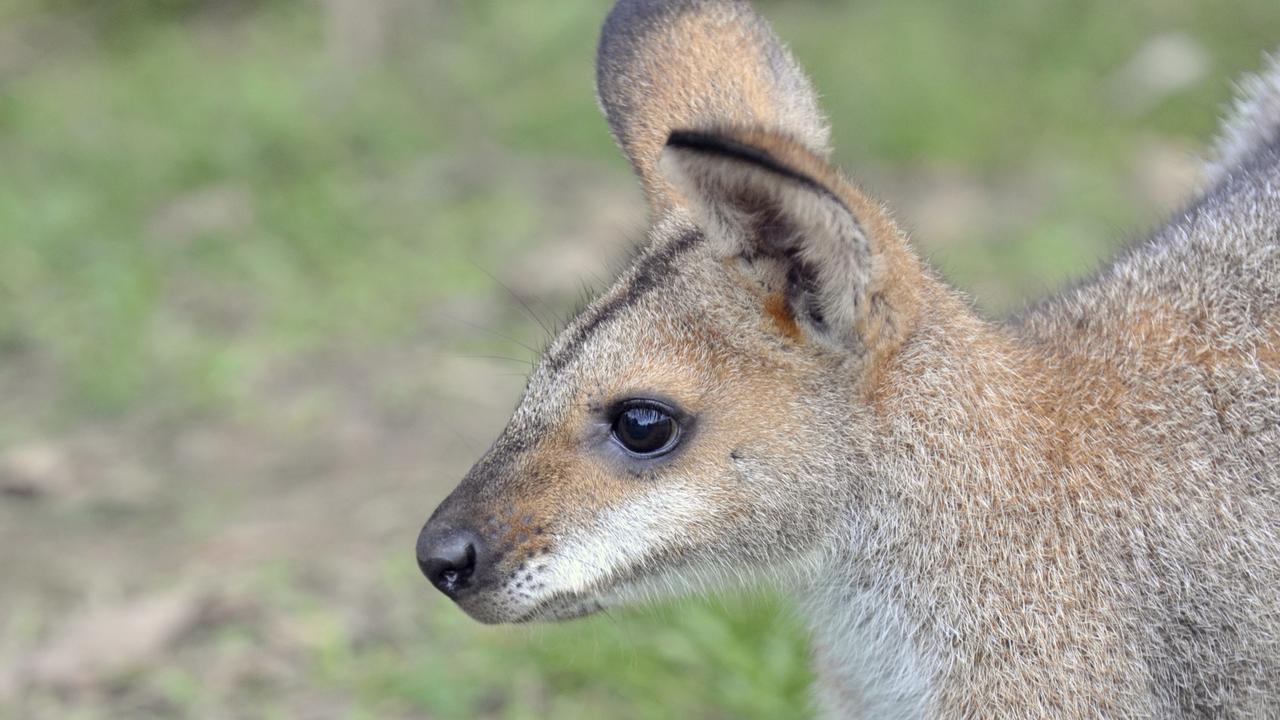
1254,122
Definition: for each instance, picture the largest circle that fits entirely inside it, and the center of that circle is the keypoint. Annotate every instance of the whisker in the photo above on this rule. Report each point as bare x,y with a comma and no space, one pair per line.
458,434
523,361
536,318
599,279
495,333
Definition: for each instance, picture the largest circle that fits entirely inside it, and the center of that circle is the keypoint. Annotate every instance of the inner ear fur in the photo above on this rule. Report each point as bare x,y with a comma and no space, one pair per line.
760,193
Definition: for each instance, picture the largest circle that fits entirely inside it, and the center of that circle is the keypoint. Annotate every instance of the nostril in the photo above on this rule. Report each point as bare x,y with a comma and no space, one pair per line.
448,558
450,567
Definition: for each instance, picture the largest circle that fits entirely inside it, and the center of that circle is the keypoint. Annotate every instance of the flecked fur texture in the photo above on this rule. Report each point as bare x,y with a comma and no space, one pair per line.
1071,514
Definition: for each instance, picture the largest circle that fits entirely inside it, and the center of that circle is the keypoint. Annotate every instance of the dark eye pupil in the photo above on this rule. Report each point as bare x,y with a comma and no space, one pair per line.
644,430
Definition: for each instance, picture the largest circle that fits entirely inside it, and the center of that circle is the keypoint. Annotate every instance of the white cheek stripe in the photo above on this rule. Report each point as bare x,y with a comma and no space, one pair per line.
623,536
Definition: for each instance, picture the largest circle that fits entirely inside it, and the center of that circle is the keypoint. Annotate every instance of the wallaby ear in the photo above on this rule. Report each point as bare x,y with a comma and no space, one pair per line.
760,195
668,64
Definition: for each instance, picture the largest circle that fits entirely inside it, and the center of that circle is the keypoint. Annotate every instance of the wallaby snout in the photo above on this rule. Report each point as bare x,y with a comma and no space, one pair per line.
485,551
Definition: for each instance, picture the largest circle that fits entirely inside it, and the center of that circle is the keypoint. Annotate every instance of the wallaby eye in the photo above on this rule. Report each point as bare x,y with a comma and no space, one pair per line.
645,428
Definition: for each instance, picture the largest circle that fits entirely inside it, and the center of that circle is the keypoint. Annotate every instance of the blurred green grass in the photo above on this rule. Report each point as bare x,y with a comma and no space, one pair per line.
189,195
100,140
738,658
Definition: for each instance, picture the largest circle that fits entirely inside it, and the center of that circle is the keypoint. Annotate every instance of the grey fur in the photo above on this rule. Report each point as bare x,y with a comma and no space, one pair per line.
1253,124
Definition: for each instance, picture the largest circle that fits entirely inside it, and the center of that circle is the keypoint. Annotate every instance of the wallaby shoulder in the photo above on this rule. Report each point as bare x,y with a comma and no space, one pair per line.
1211,277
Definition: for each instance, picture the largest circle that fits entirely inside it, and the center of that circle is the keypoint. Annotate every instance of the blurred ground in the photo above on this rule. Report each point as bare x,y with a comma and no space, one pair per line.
262,276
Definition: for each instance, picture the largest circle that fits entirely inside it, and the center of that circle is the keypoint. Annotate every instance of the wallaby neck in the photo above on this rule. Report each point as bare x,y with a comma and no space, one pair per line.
968,405
965,439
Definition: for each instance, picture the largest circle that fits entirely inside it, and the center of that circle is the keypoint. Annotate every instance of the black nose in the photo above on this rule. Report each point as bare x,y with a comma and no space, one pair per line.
449,557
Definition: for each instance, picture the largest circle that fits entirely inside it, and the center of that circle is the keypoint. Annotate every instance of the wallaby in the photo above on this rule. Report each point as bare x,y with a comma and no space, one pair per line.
1074,513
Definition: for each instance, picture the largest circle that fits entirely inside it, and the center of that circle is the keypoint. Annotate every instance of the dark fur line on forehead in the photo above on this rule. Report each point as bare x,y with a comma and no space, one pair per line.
649,272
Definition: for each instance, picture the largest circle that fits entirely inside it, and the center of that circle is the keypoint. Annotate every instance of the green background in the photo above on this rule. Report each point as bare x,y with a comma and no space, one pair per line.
263,268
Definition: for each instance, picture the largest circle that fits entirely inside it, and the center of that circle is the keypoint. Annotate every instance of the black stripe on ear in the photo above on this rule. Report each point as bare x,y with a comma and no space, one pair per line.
713,144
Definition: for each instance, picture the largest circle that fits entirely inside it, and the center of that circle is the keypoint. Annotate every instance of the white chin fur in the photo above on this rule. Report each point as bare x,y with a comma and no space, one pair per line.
620,542
698,578
645,550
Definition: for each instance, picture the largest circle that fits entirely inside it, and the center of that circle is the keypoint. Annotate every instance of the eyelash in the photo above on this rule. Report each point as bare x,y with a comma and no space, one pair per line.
633,423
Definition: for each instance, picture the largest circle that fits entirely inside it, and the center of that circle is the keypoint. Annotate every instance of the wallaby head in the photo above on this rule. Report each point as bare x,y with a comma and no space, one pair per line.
688,425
